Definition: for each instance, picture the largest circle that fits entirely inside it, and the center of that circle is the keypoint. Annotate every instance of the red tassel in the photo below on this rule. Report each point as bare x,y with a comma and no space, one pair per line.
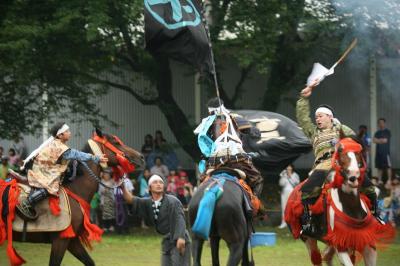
15,259
91,231
316,258
68,233
3,235
54,204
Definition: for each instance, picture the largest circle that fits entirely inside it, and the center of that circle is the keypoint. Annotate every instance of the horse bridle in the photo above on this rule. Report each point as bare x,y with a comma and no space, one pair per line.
336,165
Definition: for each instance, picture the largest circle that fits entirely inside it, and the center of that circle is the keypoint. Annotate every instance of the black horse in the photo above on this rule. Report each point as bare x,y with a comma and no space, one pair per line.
228,222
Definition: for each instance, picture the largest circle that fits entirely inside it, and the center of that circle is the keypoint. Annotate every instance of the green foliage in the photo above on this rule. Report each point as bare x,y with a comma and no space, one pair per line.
76,51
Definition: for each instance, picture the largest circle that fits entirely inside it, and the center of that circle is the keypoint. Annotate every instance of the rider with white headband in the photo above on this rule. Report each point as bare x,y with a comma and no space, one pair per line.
324,134
50,161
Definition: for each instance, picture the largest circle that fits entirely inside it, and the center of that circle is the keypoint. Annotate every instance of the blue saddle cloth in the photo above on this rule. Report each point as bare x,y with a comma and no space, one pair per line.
202,224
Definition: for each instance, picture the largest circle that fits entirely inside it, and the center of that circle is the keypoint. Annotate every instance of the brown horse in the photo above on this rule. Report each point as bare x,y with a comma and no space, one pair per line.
85,186
350,226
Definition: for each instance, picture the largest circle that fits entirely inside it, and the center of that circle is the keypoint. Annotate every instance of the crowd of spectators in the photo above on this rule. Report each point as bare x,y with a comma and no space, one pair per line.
13,159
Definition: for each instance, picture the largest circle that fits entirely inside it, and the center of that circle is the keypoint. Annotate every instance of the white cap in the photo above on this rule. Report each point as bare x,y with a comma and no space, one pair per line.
154,178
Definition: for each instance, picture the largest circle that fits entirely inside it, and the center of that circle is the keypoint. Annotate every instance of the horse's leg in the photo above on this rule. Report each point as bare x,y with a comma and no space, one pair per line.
370,256
214,244
235,253
197,248
58,248
344,258
76,248
245,254
327,255
313,251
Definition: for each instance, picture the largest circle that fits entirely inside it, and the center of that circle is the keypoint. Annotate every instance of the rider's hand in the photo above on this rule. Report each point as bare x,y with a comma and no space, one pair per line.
103,158
180,245
306,92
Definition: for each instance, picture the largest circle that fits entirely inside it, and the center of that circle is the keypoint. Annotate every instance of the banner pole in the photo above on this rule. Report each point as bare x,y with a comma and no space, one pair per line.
211,54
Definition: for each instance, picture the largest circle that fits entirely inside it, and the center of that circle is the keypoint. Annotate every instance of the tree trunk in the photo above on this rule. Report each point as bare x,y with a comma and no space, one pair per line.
176,118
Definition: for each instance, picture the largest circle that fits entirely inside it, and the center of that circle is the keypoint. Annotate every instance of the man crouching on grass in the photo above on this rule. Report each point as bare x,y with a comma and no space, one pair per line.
165,212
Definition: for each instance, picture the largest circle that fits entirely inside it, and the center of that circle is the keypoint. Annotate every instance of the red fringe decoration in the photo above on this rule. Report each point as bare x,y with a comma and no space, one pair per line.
91,231
357,234
68,233
54,204
14,258
316,258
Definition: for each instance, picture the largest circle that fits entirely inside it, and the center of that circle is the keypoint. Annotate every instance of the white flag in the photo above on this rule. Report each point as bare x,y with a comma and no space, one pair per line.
319,72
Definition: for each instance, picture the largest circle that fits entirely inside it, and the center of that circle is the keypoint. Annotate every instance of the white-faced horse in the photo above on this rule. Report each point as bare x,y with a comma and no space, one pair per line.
345,213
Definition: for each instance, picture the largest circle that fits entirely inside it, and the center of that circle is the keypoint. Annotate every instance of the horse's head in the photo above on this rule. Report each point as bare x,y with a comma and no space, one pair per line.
117,152
348,163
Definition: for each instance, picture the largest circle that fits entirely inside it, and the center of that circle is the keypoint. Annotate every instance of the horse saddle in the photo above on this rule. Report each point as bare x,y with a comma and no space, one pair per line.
47,221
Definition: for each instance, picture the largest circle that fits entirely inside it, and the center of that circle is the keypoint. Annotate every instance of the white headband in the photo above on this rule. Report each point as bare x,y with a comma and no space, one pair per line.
63,129
154,178
324,110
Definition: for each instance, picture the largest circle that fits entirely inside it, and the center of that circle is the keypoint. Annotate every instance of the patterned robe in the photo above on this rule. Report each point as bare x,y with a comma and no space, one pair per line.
48,166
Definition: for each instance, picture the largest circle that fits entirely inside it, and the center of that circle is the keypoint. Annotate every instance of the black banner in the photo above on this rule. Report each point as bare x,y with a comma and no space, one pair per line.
276,139
175,28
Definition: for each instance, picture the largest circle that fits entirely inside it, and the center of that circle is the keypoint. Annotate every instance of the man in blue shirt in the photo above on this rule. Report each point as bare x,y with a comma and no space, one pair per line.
382,157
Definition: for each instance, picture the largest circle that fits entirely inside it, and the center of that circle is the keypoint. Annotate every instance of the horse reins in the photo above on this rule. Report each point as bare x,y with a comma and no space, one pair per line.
98,179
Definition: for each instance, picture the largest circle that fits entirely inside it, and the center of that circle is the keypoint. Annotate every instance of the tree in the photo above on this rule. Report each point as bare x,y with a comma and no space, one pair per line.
72,52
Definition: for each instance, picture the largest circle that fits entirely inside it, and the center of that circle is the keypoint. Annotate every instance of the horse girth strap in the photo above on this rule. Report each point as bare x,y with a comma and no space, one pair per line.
108,145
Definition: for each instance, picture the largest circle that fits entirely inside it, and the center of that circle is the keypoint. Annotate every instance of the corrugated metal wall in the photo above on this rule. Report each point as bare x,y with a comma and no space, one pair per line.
347,91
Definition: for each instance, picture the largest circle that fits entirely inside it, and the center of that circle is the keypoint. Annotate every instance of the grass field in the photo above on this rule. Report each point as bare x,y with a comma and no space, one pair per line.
142,248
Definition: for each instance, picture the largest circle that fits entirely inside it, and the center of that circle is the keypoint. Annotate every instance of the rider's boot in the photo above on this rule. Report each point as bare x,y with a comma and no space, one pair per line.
306,223
26,208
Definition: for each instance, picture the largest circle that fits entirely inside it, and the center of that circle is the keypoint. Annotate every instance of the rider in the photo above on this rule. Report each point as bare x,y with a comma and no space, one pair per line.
324,136
227,150
50,161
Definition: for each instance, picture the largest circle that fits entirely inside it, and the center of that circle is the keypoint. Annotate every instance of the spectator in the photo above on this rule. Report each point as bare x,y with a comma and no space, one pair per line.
188,194
94,209
4,167
171,188
159,168
14,158
288,180
107,201
391,204
1,151
159,140
382,157
123,221
365,139
20,147
375,182
143,186
148,145
180,187
181,172
172,174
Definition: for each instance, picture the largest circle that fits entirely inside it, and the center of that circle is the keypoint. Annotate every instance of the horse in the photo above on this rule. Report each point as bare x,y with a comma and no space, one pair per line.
84,185
229,222
350,226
